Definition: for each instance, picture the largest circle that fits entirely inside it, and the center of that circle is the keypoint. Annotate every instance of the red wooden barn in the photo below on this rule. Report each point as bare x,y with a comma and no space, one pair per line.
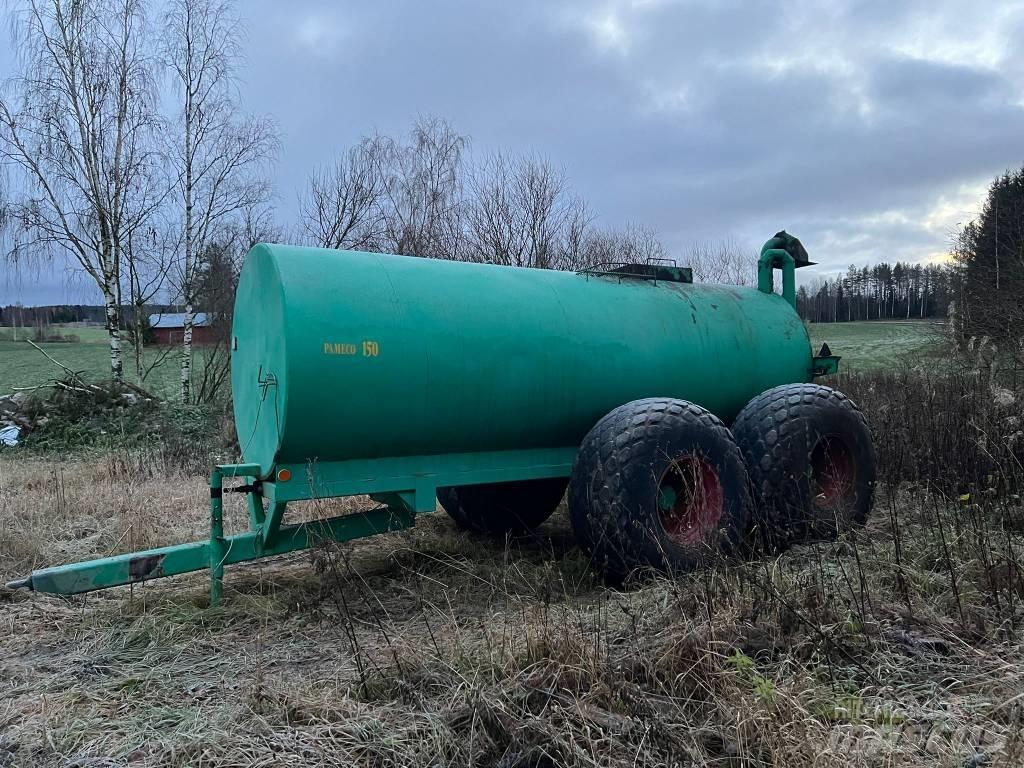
169,328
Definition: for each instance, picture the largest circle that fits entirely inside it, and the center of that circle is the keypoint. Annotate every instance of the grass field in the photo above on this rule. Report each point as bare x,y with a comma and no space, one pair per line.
877,344
89,334
21,365
864,346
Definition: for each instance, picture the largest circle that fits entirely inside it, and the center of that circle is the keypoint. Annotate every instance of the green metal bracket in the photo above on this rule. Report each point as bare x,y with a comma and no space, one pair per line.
404,500
825,363
826,366
396,475
256,512
272,523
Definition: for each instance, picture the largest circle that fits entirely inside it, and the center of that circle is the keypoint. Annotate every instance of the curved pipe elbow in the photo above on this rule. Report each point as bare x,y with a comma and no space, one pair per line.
773,258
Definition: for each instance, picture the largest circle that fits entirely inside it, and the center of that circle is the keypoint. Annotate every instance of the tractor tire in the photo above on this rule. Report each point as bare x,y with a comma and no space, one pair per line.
658,484
503,508
811,463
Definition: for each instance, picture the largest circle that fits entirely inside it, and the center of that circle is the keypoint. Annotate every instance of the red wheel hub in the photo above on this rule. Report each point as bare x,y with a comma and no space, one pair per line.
690,500
832,472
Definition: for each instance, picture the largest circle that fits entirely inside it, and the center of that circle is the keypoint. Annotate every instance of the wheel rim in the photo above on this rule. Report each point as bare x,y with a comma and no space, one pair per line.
833,473
690,500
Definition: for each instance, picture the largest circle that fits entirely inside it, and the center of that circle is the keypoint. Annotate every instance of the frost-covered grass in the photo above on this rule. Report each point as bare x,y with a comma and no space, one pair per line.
879,344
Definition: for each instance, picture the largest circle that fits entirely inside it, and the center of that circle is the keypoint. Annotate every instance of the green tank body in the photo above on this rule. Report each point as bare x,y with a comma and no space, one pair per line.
341,355
476,388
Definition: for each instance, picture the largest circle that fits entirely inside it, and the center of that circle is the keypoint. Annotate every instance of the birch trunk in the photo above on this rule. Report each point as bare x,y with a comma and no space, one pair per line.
114,331
186,353
77,126
189,237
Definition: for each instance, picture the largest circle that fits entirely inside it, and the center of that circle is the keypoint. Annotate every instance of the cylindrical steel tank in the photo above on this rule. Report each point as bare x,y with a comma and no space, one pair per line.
342,354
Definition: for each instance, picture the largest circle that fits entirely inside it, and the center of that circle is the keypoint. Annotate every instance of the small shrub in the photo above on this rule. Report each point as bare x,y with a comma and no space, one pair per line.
78,416
956,430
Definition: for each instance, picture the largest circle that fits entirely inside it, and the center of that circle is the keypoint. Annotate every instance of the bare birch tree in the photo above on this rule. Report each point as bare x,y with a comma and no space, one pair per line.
520,213
632,245
723,261
342,206
578,224
76,126
421,196
220,158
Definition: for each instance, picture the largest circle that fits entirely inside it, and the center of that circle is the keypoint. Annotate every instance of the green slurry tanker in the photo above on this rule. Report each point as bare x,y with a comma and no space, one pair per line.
680,417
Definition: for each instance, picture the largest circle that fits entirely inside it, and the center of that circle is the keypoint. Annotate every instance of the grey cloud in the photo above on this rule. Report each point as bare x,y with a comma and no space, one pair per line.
700,119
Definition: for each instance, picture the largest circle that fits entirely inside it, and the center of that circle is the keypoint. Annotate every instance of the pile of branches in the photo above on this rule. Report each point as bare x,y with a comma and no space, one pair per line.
32,408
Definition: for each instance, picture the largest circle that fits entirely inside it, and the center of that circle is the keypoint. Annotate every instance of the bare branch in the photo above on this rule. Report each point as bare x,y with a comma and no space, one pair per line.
723,261
520,213
341,208
422,191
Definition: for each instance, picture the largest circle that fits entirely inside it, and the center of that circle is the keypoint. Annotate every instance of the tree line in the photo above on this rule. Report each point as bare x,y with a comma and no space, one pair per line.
425,194
60,314
882,291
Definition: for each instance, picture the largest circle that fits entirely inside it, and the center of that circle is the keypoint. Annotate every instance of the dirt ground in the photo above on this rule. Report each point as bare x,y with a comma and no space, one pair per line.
894,647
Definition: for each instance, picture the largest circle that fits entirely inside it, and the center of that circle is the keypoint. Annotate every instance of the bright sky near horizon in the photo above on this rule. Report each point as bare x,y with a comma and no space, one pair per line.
869,129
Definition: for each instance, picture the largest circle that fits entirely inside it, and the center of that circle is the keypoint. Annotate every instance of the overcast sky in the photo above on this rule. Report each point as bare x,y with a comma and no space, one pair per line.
869,129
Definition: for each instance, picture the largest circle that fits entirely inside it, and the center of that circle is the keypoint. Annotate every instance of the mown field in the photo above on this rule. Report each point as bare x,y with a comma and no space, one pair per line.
880,344
21,365
864,346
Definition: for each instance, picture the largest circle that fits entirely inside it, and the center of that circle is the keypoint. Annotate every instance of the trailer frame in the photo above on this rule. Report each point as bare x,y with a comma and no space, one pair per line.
404,487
